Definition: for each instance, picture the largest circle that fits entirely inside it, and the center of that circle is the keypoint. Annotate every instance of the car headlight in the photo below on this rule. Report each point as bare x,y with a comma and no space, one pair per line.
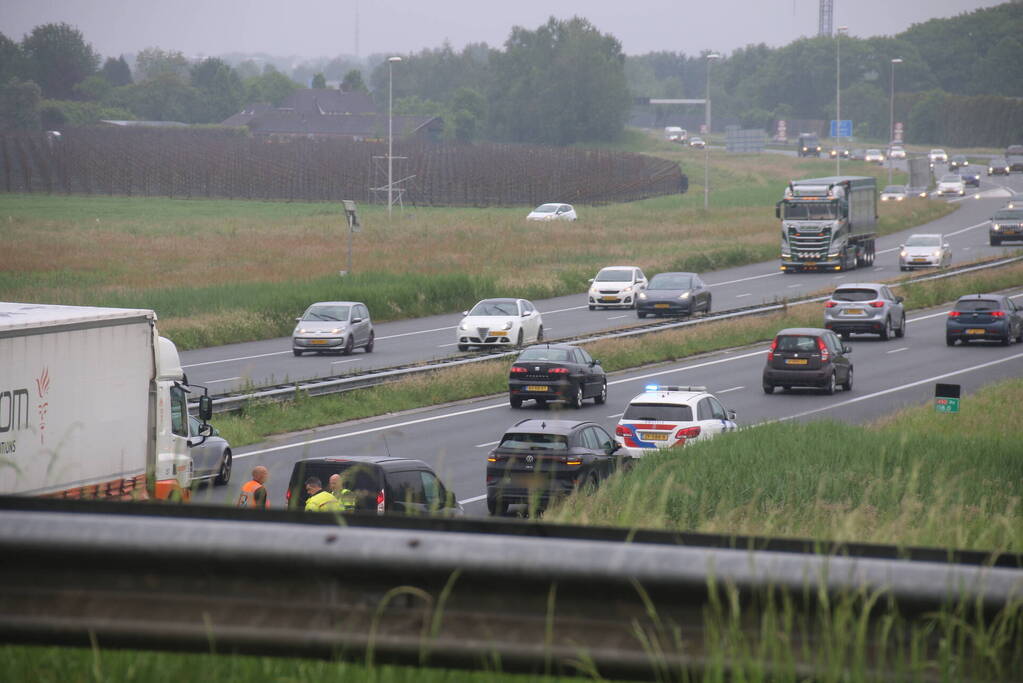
899,198
461,325
936,254
902,254
996,227
507,325
642,295
626,290
683,295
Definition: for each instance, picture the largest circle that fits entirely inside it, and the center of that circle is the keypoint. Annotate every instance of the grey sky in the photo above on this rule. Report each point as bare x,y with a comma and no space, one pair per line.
315,28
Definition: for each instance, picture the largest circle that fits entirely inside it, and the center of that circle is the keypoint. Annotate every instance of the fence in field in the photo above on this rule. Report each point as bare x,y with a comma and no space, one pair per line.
227,163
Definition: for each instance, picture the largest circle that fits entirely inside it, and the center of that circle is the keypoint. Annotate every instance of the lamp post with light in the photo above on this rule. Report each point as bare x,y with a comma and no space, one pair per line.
891,116
390,132
838,98
706,147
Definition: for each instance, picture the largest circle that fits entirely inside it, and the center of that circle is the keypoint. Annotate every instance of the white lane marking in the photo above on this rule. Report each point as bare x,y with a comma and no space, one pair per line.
689,367
472,500
904,348
742,279
902,387
408,334
563,310
616,317
972,227
441,346
739,296
796,285
231,360
877,268
350,360
616,415
725,391
489,443
214,381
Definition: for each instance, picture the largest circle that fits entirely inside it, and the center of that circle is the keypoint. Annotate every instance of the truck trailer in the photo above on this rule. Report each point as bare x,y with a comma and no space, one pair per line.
828,223
93,404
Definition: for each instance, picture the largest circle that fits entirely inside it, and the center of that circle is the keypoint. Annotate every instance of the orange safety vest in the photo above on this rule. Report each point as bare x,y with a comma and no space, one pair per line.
247,497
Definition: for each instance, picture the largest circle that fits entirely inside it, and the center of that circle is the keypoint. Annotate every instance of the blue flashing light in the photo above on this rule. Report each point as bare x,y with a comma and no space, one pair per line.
652,387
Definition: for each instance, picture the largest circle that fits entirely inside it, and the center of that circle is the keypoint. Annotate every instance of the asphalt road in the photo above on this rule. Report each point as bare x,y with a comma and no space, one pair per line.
454,439
262,363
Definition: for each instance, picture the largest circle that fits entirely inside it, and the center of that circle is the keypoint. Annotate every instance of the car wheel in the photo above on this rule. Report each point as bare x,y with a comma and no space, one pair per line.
497,507
515,401
768,388
539,334
903,268
519,340
887,332
845,336
707,309
224,475
463,347
601,398
640,314
950,341
541,403
847,384
297,352
577,398
349,346
1007,339
829,388
995,242
369,344
592,307
901,332
590,486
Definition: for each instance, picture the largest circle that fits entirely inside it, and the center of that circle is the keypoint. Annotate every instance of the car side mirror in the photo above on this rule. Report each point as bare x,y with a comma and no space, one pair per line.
594,362
526,314
731,414
298,320
465,312
899,299
356,320
591,280
846,348
205,408
946,245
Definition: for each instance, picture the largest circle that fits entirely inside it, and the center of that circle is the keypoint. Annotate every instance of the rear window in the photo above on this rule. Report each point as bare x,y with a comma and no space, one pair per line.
852,295
659,411
519,441
543,354
800,343
978,305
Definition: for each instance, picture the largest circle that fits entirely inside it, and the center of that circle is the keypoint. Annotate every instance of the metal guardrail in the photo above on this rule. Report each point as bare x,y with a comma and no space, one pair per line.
482,596
333,385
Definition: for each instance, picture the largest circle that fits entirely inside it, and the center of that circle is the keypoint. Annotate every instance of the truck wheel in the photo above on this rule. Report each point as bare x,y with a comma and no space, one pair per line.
224,475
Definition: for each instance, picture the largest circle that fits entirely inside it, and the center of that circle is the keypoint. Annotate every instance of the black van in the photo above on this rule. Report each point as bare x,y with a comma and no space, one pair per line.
381,485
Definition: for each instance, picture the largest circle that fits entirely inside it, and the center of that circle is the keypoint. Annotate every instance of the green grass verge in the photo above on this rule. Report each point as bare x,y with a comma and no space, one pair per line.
255,422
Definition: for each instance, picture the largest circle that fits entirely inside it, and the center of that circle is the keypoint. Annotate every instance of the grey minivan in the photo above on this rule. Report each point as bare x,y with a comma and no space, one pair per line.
333,326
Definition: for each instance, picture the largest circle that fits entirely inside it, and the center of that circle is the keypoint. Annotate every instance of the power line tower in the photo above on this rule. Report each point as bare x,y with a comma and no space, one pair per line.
827,13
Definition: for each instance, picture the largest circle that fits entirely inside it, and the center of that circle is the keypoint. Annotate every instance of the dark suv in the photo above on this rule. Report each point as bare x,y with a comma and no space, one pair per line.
808,146
1006,224
538,460
984,316
808,357
556,372
381,485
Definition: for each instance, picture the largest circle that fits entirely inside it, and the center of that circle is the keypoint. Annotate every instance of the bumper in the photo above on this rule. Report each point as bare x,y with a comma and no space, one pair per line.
990,331
515,495
797,378
553,391
610,300
928,262
1012,234
953,193
676,307
863,326
317,343
489,341
829,264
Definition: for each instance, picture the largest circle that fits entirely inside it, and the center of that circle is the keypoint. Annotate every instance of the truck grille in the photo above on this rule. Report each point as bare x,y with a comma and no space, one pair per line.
812,245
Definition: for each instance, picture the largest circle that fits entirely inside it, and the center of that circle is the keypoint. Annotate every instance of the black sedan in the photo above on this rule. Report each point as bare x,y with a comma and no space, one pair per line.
556,372
998,167
958,161
539,460
673,294
970,176
984,317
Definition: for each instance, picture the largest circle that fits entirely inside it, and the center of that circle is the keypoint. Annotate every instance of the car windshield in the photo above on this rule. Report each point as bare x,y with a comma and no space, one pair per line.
894,189
658,411
326,312
797,343
517,441
924,241
852,295
977,305
950,179
873,151
614,275
546,208
1014,149
814,211
485,308
556,355
671,281
1008,216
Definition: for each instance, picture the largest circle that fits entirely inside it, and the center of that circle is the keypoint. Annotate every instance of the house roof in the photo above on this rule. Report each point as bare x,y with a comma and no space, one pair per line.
329,101
243,117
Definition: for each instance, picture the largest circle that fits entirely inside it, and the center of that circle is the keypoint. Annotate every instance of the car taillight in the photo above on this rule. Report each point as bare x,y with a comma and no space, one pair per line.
558,371
688,433
830,304
877,304
380,501
621,431
998,314
825,355
287,496
517,369
953,314
774,347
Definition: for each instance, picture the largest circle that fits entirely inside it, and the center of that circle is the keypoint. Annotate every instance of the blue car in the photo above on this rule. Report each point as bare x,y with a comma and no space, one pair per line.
970,176
990,317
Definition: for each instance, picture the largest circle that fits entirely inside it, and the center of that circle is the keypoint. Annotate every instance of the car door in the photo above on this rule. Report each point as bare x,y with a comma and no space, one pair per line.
590,440
366,326
530,318
608,448
898,311
640,279
406,493
593,374
701,294
720,413
710,425
840,359
202,454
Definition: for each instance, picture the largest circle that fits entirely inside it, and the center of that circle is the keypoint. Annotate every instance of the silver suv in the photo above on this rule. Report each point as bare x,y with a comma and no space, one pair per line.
865,308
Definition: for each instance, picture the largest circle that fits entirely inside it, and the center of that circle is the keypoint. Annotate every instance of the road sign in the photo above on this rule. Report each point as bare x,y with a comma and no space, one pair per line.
946,398
844,131
898,131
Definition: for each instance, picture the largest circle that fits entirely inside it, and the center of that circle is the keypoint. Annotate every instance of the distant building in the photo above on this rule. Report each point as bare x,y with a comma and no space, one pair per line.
144,124
313,112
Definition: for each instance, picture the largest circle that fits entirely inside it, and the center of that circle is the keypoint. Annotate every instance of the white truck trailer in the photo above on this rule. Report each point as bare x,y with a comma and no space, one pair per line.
93,404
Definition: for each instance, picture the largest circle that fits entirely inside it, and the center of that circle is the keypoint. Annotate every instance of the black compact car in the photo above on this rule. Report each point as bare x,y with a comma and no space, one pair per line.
1006,224
984,317
539,460
808,357
998,167
382,485
556,372
958,161
970,176
673,294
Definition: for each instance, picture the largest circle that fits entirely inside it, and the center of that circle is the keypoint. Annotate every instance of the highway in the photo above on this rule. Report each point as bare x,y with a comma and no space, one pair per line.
261,363
455,439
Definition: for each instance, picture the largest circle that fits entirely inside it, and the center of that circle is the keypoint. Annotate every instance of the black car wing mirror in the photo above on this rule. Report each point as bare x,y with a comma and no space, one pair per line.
846,348
205,407
899,299
731,414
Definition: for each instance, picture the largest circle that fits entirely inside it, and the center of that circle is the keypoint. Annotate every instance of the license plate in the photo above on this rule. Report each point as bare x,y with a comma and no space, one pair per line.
530,481
655,436
854,311
795,361
920,260
608,298
662,306
317,341
975,331
536,387
499,334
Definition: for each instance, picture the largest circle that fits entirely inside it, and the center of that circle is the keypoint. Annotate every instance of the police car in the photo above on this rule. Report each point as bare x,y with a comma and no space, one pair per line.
666,416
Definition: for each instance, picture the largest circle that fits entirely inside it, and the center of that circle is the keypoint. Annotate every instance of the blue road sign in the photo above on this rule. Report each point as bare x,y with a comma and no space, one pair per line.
845,131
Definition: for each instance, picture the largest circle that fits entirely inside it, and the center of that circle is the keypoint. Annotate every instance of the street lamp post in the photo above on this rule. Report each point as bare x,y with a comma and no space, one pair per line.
706,147
390,132
891,117
838,98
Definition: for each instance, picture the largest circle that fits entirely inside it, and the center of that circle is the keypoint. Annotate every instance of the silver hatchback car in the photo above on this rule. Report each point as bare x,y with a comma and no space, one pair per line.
333,326
869,308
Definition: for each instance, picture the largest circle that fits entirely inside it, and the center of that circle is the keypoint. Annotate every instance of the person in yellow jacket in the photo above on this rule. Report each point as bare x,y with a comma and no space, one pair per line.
319,500
345,497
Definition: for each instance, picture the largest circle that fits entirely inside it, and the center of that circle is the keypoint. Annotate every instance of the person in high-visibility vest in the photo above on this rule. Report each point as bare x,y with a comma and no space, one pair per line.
253,493
319,500
345,497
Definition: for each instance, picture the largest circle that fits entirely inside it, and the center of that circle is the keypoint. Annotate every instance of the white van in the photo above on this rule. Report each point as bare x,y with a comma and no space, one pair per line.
675,134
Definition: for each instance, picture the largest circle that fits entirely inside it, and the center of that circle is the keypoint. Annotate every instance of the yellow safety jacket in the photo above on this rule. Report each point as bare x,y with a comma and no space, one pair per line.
346,499
324,501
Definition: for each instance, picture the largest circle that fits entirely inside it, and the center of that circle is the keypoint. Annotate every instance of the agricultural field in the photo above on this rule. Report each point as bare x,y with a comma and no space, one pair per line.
221,271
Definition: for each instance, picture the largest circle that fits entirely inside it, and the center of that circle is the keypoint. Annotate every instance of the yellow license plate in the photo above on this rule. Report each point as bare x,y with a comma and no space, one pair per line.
854,311
796,361
919,260
317,341
975,331
655,436
536,387
499,333
608,298
661,306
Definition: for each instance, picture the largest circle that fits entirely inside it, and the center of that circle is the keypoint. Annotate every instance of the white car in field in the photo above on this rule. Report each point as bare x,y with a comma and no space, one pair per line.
616,286
499,323
552,212
951,184
667,416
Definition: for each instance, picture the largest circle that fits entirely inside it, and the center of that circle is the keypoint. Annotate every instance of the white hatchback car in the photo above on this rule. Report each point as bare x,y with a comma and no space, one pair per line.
874,156
937,156
333,326
951,184
666,416
896,152
553,212
499,322
616,286
924,251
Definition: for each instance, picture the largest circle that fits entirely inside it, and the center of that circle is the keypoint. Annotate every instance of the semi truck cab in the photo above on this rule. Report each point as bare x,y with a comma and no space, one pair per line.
827,224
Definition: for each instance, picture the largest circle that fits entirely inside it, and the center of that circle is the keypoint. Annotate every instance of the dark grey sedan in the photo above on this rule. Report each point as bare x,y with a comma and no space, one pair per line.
673,294
977,317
